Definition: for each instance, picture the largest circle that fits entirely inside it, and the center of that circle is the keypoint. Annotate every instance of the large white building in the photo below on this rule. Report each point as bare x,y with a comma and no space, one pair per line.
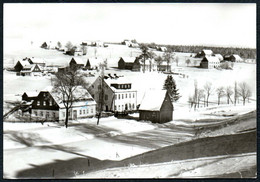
118,95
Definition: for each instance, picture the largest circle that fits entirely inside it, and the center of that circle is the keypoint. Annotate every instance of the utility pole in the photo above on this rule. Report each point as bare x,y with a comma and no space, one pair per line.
101,93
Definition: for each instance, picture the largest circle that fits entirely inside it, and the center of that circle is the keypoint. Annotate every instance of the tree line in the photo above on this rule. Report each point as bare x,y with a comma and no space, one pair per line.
246,53
232,94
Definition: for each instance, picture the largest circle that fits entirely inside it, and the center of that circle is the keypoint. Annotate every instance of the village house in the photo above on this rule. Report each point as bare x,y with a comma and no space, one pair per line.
233,58
48,104
210,62
150,65
76,62
129,63
164,66
21,64
94,63
31,70
160,110
39,61
118,94
203,53
163,49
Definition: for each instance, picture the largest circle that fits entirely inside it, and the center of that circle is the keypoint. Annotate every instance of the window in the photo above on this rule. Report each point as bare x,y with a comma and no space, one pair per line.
47,114
133,95
84,111
129,106
44,103
126,96
106,97
69,113
80,112
122,107
53,115
41,113
63,114
87,111
115,108
133,106
129,95
50,102
122,96
118,96
38,103
91,110
115,96
44,94
35,113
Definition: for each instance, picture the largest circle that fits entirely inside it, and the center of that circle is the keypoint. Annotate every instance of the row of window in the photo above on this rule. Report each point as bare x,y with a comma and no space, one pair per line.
125,107
81,112
47,114
44,103
122,96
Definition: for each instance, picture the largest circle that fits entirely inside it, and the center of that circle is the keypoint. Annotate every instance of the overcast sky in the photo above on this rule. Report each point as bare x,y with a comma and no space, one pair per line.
176,23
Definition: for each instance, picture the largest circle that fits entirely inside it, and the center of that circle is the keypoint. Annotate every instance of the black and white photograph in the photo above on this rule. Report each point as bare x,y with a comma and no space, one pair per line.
129,90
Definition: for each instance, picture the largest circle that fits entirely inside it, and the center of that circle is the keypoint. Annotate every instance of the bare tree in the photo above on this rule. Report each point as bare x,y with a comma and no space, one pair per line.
69,45
145,55
220,92
65,84
159,61
200,96
228,93
235,94
195,93
168,57
244,91
208,91
188,62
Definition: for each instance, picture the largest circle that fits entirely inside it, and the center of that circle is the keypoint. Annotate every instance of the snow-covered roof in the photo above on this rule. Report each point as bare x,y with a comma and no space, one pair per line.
30,68
129,59
32,94
37,60
219,56
163,48
24,62
80,95
212,59
78,60
207,51
153,100
237,57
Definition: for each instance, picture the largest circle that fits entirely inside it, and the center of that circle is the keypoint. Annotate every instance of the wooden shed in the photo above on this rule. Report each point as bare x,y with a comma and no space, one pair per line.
156,106
129,63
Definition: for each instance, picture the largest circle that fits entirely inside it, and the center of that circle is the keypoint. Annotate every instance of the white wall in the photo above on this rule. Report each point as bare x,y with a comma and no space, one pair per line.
120,103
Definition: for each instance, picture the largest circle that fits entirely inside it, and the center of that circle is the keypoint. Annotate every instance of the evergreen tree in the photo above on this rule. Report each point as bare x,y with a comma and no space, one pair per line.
170,86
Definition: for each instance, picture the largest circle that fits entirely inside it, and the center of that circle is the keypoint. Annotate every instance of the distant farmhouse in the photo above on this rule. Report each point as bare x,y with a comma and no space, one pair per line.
210,62
163,49
118,94
30,67
48,104
233,58
135,64
97,43
156,106
94,63
203,53
76,62
129,43
129,63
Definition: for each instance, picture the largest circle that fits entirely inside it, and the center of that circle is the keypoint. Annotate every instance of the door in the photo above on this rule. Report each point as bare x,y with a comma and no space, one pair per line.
75,114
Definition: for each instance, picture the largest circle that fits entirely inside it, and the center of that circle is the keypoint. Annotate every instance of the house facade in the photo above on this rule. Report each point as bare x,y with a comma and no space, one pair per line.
129,63
118,94
76,62
48,105
32,70
160,110
210,62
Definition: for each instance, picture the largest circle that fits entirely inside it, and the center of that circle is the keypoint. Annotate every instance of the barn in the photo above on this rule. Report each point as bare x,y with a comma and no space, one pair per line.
76,62
209,62
129,63
160,110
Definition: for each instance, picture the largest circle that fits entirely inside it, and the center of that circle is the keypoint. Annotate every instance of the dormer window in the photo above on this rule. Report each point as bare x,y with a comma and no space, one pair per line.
50,102
44,103
38,103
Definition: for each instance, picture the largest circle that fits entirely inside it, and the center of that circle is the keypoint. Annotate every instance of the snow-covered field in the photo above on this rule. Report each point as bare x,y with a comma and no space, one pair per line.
207,167
28,144
31,146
